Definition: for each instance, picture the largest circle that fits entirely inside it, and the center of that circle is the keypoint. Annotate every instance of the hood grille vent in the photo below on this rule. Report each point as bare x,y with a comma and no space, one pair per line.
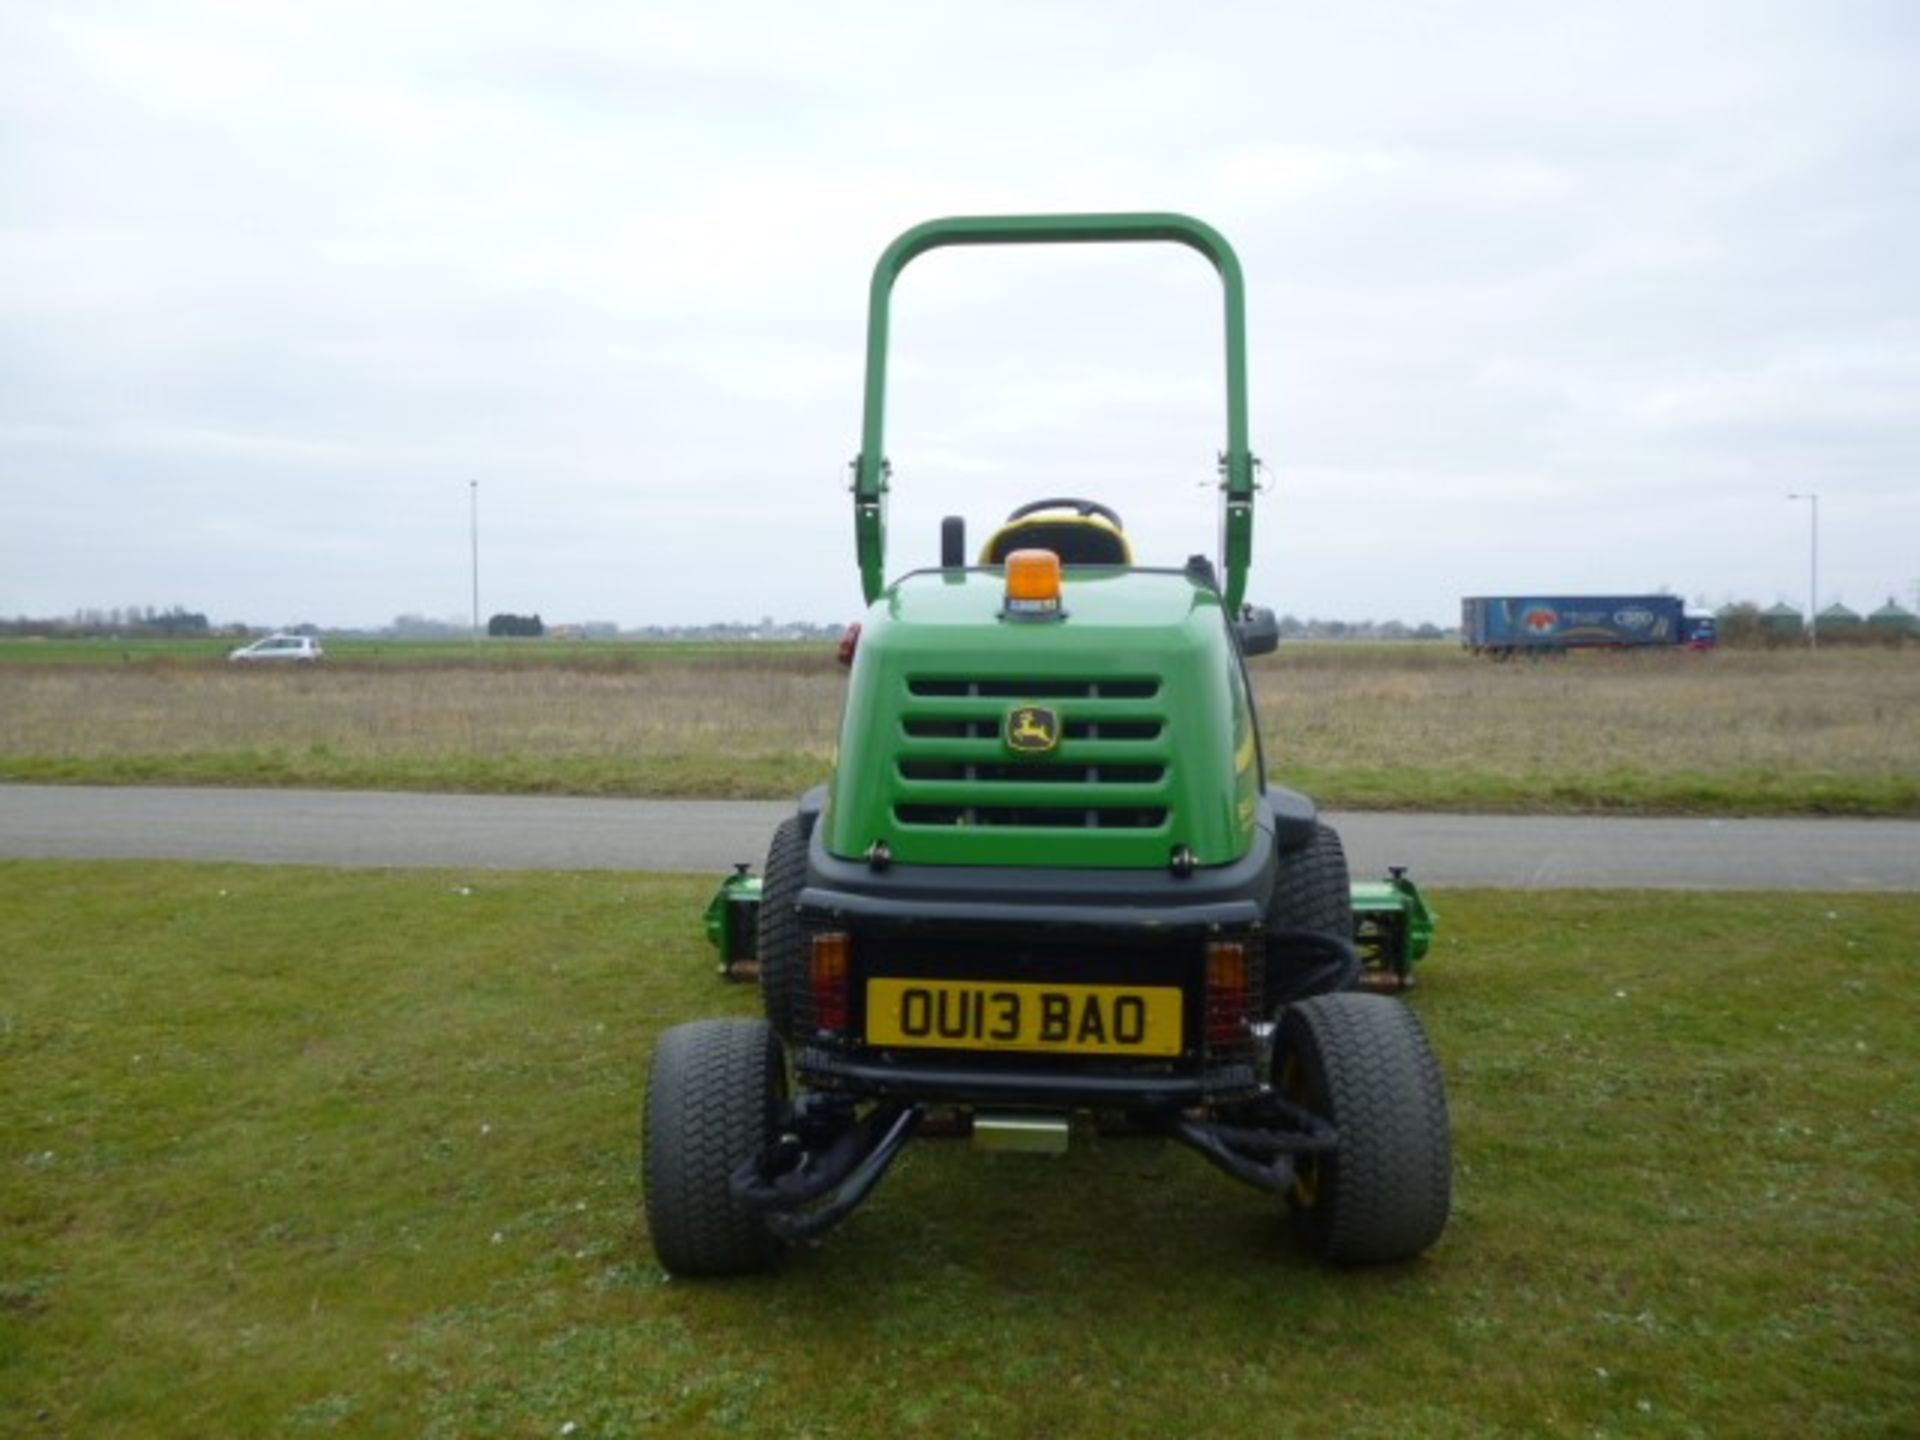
1110,770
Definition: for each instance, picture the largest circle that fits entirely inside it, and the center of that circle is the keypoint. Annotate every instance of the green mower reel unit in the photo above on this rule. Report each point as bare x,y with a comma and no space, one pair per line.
1392,928
733,924
1048,889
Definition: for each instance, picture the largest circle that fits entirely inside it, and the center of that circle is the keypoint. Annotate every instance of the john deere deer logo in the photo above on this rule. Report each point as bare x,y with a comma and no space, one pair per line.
1032,730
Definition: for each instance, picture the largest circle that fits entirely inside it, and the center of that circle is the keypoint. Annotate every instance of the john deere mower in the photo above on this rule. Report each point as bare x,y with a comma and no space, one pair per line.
1048,888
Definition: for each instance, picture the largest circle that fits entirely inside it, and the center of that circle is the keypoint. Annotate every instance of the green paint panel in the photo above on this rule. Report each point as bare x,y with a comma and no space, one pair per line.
1155,745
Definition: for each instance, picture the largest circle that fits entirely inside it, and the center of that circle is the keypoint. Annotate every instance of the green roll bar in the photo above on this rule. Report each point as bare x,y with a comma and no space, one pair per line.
870,468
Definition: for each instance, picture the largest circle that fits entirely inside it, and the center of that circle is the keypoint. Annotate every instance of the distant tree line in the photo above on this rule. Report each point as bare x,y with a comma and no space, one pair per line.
528,626
144,620
1745,625
176,620
1294,628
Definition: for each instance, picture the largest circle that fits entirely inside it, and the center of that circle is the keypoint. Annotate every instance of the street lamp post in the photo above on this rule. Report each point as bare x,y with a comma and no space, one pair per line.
1813,568
473,531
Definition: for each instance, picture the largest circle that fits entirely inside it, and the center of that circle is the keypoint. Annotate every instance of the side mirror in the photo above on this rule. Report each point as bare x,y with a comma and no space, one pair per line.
1259,632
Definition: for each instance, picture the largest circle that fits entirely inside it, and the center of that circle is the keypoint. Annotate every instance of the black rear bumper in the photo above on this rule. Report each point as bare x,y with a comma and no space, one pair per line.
955,1082
1047,925
1230,896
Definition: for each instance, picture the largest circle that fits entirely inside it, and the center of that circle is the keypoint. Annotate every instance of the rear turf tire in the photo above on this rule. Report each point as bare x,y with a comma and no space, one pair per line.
712,1098
1312,892
777,945
1363,1063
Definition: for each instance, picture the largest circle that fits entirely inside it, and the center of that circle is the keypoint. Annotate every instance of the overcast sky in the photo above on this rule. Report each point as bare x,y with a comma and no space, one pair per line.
1541,297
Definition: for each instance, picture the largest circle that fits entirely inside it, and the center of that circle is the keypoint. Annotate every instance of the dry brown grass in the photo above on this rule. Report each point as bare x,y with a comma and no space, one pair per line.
1358,725
1851,713
423,712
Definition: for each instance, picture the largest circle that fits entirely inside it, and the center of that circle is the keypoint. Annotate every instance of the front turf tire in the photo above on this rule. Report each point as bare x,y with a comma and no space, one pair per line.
1363,1063
777,942
1312,893
712,1100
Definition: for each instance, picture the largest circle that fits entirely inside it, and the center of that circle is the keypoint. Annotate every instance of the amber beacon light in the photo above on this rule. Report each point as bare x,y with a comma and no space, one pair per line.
1033,583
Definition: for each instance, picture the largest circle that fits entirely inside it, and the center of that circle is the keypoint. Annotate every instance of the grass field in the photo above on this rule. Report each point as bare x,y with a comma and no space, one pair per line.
491,653
1365,726
303,1152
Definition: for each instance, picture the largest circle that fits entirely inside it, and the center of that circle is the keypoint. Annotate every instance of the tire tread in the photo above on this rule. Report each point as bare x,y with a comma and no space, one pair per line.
777,943
707,1110
1311,891
1386,1194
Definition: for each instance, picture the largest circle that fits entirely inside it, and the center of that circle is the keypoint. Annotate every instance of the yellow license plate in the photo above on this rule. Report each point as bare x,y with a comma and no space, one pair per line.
1004,1015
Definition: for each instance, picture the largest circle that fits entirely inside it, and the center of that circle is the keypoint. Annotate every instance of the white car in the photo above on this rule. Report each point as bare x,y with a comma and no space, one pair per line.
300,649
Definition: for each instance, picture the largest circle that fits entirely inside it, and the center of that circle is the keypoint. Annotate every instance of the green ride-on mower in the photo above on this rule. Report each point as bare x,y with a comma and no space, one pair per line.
1047,883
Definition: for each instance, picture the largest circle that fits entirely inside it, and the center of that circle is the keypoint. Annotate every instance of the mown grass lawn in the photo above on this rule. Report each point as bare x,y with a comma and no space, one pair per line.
304,1152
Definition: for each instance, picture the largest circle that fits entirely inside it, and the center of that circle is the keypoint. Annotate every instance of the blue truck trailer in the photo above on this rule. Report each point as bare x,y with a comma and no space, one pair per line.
1507,625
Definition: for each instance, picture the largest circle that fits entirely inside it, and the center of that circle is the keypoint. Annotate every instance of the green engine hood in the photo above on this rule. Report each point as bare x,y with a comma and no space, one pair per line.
1153,746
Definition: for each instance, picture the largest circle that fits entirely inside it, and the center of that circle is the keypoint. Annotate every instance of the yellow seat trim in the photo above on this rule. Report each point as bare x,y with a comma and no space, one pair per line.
1011,530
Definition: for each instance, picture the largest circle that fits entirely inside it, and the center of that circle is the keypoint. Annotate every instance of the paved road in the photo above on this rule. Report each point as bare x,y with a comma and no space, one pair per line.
319,827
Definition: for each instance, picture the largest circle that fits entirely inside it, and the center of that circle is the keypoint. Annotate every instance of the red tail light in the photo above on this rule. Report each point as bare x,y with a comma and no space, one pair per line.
849,642
827,977
1228,1002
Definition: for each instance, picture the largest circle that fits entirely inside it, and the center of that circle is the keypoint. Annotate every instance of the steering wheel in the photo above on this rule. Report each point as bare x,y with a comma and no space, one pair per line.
1083,507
